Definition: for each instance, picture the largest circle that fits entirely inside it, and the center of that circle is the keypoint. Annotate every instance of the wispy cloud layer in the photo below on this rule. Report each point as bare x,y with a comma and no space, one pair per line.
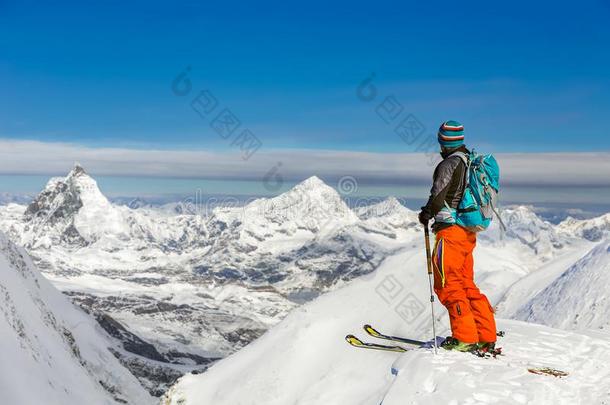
548,169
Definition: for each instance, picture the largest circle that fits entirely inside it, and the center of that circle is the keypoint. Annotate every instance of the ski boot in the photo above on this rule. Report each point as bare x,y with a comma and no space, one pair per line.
487,349
451,343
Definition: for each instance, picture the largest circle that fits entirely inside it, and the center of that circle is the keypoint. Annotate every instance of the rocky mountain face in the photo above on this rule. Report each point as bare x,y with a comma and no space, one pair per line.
68,211
180,289
71,213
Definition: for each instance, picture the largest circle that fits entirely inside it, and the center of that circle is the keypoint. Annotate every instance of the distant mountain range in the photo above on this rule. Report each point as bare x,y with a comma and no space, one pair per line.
196,287
180,289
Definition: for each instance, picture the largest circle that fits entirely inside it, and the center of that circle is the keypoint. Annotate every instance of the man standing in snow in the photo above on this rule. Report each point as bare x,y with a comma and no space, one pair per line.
473,326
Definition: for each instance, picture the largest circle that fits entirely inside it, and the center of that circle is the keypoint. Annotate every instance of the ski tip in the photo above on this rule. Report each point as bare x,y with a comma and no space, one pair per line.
371,331
547,371
353,340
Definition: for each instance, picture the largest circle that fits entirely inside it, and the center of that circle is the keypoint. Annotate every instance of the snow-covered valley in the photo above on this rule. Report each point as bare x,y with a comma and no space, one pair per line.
305,360
175,291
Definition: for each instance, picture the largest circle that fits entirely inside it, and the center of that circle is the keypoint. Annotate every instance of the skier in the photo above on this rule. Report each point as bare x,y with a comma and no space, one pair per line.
473,326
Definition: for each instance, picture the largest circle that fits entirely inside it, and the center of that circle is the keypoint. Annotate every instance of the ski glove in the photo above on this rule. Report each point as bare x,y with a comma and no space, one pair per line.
424,217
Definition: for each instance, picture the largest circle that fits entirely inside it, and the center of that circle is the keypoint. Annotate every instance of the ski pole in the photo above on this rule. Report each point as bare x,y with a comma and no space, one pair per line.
429,262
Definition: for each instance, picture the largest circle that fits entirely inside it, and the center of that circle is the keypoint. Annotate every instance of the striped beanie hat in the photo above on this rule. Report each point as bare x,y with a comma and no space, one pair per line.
451,134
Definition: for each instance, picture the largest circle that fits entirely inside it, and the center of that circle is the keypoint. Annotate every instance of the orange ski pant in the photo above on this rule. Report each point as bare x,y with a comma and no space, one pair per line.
470,313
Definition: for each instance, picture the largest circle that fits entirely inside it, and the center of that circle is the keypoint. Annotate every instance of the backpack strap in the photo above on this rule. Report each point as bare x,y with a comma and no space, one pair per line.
502,225
462,156
466,159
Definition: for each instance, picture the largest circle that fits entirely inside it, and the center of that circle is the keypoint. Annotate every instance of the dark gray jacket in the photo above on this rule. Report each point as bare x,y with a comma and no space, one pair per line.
448,185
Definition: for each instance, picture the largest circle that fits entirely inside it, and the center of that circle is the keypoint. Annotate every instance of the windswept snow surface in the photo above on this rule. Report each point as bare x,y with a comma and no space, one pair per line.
525,289
578,298
304,360
52,352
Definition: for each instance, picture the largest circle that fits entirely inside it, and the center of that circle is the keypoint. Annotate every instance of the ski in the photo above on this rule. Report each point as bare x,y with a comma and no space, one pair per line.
547,371
354,341
375,333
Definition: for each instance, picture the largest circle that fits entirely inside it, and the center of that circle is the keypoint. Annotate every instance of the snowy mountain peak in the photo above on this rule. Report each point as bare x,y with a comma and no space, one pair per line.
77,170
394,203
73,208
68,195
312,183
389,216
87,188
388,207
591,229
77,187
311,199
524,225
312,188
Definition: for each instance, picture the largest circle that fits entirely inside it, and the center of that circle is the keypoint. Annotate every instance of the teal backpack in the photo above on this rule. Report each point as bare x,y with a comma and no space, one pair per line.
480,194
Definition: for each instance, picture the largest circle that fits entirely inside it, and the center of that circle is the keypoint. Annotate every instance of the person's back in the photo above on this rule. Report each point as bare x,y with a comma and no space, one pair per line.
471,315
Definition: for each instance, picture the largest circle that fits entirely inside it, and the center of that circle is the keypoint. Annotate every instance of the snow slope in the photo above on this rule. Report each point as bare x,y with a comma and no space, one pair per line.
526,288
304,359
578,298
451,379
52,352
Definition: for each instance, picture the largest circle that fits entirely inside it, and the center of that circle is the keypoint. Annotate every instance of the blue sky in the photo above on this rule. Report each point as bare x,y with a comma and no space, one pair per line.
522,77
92,82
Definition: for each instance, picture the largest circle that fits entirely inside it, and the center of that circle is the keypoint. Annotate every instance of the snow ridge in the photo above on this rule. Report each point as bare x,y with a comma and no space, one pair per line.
52,352
578,298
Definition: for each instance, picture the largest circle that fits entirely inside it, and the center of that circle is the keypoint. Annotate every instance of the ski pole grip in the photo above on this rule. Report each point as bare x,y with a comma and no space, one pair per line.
428,255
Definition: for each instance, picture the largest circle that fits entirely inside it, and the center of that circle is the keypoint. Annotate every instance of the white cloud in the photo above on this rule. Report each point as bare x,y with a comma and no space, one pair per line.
34,157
